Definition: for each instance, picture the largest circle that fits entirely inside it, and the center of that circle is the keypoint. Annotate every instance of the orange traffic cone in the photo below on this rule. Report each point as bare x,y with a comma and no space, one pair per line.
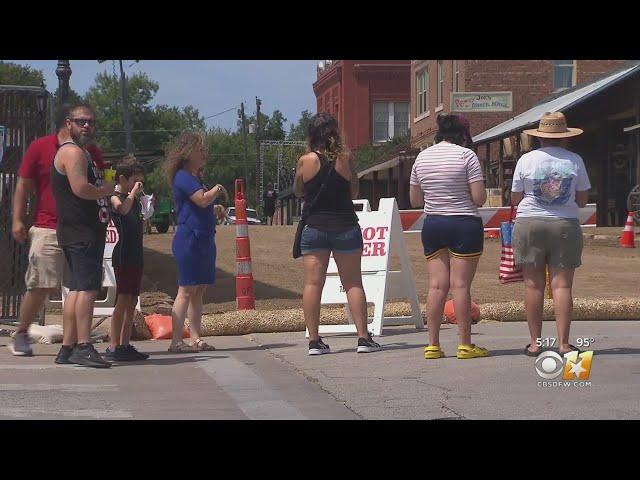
627,239
493,234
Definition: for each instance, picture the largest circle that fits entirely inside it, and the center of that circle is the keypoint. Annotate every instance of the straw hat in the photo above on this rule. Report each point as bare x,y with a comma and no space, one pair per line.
553,125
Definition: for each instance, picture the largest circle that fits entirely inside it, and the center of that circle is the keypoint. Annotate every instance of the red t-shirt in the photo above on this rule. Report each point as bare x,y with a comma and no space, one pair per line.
36,166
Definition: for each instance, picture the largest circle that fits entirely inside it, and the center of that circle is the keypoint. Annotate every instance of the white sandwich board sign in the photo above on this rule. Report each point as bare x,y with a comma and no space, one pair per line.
383,237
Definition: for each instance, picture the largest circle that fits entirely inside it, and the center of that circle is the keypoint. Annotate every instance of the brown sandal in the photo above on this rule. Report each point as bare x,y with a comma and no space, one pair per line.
203,346
183,348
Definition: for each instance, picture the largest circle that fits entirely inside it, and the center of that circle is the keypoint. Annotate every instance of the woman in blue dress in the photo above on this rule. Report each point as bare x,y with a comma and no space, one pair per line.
193,245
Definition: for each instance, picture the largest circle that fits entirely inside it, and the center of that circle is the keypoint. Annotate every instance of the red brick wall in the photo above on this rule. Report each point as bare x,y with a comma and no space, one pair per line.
529,80
589,70
349,93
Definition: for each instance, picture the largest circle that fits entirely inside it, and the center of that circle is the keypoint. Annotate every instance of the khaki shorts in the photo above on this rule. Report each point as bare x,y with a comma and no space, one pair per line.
46,260
556,242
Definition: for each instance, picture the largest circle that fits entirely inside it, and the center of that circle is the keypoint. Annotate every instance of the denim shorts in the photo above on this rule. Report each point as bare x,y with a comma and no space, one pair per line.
461,235
348,240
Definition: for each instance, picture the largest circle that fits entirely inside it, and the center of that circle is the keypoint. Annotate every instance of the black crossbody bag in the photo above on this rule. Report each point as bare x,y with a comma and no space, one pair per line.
297,252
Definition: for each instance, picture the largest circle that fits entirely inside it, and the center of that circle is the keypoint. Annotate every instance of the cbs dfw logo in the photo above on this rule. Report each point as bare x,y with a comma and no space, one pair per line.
575,369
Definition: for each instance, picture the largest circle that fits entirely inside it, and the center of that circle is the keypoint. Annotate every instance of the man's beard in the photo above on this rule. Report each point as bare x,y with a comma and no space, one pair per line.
80,139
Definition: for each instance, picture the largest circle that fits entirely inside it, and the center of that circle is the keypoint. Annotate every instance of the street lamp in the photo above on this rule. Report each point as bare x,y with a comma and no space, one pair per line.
40,101
63,72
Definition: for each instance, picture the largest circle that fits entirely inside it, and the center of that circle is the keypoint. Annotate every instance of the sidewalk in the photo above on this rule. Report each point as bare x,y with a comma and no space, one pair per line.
270,376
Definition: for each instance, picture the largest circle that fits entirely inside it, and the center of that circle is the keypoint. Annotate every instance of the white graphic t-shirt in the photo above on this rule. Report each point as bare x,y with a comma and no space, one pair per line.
549,178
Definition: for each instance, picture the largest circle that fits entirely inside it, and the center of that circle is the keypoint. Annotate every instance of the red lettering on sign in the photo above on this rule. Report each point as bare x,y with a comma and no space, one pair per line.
111,236
368,233
378,249
382,232
374,249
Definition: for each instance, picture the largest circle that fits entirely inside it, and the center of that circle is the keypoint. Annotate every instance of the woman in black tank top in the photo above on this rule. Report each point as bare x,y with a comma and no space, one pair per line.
327,180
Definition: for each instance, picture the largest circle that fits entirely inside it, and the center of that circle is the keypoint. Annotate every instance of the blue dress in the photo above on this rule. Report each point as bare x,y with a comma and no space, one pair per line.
193,244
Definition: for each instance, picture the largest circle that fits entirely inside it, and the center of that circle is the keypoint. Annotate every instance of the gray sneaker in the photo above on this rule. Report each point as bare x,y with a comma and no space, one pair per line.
20,346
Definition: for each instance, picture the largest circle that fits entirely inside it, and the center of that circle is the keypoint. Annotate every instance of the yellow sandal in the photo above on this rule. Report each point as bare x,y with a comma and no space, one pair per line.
471,351
431,352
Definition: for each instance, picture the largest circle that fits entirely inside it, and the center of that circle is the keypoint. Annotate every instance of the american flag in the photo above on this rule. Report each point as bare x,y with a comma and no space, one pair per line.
508,270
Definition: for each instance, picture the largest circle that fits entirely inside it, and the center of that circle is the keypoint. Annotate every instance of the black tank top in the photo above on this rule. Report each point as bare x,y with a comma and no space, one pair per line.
128,252
79,221
334,208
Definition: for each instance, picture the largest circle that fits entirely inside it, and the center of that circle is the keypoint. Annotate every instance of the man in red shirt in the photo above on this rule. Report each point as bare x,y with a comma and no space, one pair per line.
46,259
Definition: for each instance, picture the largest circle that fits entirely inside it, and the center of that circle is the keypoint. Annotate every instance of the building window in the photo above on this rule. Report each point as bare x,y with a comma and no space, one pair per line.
400,119
563,74
440,82
380,121
422,92
455,76
390,119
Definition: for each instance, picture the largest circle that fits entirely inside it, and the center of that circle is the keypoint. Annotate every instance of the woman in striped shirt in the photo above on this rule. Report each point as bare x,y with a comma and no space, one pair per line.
447,179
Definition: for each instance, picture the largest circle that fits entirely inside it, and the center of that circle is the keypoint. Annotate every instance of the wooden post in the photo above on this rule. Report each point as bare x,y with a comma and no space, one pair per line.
487,166
501,171
374,191
636,138
390,182
401,188
602,152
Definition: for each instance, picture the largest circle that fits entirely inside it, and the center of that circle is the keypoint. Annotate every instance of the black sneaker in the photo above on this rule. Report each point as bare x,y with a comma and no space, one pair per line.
318,347
64,354
110,354
85,354
128,353
367,345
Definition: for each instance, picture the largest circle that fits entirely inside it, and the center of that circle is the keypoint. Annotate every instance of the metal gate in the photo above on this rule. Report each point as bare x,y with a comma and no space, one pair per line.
26,113
278,169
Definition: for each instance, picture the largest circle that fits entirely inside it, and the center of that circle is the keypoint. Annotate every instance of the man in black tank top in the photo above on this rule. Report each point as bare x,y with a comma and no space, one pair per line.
83,217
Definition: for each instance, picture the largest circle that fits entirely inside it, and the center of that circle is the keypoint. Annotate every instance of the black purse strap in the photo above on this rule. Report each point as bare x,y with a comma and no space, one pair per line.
307,211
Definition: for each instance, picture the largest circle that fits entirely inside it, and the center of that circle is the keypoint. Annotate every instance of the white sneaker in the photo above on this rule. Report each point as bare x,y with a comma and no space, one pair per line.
20,346
318,347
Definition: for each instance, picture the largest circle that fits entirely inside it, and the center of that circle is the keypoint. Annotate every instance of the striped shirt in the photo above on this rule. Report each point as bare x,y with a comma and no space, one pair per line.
444,172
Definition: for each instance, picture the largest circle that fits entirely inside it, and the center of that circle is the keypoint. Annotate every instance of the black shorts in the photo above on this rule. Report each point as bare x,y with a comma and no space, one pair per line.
128,280
85,266
461,235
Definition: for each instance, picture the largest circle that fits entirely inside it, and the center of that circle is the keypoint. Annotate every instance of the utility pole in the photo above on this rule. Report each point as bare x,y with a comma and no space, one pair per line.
125,111
258,171
63,72
244,139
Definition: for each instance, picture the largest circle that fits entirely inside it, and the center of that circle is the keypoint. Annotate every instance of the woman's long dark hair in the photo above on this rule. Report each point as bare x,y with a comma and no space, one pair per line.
323,134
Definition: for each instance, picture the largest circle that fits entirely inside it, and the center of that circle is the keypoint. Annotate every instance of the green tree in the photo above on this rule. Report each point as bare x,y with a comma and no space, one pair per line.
369,155
274,127
104,96
156,183
152,127
14,74
71,99
299,131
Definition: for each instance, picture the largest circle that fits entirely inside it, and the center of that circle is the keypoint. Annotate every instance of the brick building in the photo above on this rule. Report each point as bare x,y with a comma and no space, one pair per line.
370,98
432,82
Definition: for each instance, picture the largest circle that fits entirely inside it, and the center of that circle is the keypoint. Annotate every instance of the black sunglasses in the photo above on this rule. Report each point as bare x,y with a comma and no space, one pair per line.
81,122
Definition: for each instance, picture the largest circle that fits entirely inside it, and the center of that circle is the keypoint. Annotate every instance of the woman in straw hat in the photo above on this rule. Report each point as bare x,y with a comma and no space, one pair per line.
549,185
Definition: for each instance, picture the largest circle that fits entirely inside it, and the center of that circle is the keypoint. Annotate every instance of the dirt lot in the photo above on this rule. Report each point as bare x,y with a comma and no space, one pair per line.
607,272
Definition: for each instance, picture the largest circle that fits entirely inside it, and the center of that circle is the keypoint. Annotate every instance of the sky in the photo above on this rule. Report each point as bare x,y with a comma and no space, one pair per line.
212,86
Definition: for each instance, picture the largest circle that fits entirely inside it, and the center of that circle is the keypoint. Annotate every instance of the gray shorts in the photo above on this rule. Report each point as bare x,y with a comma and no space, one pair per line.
556,242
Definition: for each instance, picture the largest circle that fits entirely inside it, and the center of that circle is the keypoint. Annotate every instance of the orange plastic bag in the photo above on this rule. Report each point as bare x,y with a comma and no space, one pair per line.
161,328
